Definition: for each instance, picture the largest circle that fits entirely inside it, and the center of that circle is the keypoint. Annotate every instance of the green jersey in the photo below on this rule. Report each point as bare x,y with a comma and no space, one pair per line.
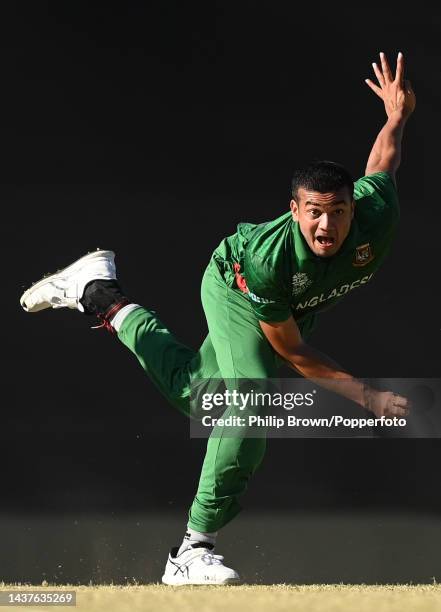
283,277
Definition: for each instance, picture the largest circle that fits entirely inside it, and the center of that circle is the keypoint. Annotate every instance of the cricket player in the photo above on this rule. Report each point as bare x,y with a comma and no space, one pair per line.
261,293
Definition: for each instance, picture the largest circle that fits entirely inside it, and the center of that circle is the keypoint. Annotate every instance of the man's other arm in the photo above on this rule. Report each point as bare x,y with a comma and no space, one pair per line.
286,340
399,103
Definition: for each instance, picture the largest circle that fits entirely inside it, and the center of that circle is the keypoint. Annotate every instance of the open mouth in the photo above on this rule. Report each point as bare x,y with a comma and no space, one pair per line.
325,241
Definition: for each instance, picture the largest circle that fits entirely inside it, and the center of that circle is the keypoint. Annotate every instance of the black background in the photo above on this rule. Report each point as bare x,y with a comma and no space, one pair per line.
153,129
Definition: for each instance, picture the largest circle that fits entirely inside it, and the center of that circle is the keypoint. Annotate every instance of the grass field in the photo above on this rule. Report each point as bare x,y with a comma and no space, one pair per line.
313,598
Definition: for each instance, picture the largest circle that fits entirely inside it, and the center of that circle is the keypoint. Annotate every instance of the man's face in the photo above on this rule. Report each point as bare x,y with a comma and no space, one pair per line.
324,218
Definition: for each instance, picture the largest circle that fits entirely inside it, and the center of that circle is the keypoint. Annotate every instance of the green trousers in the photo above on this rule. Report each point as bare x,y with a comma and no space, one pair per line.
235,348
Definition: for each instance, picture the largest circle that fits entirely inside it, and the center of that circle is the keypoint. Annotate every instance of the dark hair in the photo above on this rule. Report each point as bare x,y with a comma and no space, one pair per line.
322,176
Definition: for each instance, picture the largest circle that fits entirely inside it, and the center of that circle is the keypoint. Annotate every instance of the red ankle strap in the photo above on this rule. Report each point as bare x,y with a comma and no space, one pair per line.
108,316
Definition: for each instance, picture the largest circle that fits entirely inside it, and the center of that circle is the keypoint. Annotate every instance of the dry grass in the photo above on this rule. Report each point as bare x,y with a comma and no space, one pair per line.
313,598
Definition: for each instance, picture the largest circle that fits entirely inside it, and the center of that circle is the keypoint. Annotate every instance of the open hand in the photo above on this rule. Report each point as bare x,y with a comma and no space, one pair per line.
396,92
386,403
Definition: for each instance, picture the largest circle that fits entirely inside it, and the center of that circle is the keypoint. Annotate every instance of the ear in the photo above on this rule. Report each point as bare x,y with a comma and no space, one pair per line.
352,209
294,210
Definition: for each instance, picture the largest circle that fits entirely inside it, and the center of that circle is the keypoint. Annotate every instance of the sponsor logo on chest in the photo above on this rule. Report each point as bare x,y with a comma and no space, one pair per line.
300,283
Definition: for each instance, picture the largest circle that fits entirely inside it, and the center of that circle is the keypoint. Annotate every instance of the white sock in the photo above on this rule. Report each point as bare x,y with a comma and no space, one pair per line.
118,319
197,537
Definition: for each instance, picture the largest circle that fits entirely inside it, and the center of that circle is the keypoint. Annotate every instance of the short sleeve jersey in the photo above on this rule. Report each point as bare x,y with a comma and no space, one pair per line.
284,277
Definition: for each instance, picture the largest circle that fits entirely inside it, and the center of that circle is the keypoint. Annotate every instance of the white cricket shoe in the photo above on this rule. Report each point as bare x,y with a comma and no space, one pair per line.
197,566
65,288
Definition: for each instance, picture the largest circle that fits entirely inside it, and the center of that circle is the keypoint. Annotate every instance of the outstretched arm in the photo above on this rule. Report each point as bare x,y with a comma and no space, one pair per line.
399,103
286,340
